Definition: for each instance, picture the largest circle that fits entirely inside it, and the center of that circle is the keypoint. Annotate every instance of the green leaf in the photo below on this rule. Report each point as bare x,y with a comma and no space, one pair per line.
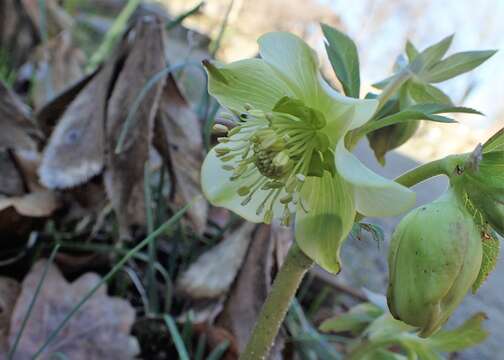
411,51
470,333
420,348
431,55
354,320
491,247
416,92
344,59
495,143
456,64
434,108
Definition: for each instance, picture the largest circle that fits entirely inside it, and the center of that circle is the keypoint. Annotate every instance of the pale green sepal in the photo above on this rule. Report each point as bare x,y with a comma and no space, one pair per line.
249,81
220,191
294,61
374,194
321,230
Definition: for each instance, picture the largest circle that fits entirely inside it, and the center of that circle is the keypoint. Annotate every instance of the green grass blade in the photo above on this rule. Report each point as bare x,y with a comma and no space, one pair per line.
113,35
32,302
177,339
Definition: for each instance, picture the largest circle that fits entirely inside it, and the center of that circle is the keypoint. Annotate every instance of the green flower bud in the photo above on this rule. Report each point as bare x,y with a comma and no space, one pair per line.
435,257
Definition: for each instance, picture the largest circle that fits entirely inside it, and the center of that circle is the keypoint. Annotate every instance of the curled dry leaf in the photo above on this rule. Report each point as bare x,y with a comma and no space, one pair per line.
99,330
179,141
35,204
16,126
59,64
125,171
9,291
76,149
212,274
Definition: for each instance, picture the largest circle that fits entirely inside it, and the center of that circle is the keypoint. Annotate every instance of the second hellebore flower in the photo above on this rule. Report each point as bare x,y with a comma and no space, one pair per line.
286,154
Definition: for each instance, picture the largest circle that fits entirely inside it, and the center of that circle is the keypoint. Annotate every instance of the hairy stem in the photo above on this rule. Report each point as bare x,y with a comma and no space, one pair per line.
277,303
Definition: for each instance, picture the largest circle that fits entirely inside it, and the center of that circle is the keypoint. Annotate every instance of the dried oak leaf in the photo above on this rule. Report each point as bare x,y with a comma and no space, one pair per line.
178,139
99,330
9,291
212,274
124,172
16,126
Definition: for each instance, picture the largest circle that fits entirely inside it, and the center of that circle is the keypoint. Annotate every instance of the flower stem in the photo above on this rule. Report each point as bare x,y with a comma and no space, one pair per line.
277,303
444,166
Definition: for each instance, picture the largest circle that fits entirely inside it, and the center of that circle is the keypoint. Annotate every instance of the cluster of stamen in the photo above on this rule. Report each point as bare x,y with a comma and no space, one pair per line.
272,153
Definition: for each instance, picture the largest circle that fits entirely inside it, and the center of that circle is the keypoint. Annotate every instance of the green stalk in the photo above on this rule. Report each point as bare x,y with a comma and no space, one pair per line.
445,166
277,303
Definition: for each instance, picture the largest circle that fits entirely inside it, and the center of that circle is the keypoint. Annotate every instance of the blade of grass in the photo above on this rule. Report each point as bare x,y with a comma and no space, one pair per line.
177,339
112,35
188,327
222,30
141,95
171,24
151,272
173,220
33,300
200,347
139,256
219,350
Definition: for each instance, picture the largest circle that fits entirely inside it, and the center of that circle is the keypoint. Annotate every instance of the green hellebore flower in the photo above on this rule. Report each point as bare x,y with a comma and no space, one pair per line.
434,258
287,156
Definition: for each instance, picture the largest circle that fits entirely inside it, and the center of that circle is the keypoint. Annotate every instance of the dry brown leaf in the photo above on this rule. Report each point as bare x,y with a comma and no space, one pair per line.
56,19
215,336
35,204
17,35
59,64
212,274
250,288
179,141
50,113
99,330
11,180
16,126
125,171
188,45
9,291
76,149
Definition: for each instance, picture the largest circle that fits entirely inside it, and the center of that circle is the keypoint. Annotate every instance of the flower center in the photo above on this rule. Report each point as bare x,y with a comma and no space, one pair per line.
272,154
